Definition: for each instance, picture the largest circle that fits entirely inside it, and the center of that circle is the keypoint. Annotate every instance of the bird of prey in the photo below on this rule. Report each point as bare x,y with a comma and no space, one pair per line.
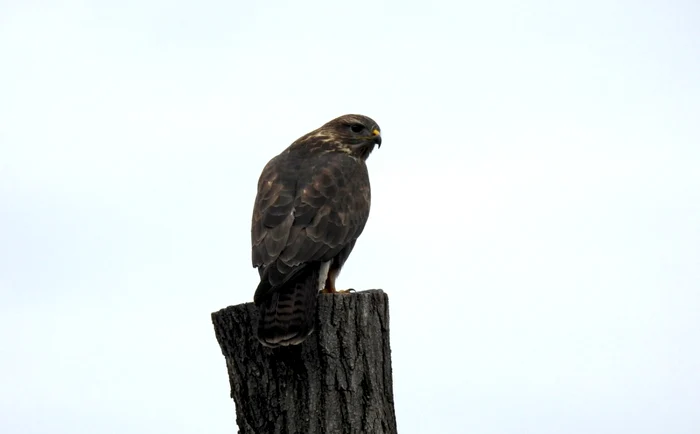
312,204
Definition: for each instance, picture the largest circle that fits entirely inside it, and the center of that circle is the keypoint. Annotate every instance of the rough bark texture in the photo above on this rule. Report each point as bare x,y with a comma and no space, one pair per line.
337,381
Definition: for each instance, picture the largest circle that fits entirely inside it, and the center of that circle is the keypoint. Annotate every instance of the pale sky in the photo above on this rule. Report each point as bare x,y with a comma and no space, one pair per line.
535,213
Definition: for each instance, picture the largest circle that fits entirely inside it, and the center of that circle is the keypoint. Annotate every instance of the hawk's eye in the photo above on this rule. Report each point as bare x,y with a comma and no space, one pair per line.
356,128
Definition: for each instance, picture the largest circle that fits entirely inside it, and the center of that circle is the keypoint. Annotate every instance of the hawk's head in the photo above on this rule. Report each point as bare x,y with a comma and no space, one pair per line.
353,134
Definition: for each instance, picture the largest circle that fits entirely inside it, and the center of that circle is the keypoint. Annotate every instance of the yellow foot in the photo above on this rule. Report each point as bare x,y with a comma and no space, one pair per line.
337,291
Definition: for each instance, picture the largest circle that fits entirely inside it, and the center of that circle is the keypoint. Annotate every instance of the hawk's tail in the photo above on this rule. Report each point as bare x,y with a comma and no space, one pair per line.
286,314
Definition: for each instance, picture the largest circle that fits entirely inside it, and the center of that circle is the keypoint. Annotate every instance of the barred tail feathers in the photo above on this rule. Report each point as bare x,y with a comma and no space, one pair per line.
286,315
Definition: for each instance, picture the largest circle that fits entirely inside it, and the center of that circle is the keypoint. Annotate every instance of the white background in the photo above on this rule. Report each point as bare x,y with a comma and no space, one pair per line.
535,217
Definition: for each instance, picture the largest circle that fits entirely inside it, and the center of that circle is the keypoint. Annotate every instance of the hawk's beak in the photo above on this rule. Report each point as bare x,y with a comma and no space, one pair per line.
377,137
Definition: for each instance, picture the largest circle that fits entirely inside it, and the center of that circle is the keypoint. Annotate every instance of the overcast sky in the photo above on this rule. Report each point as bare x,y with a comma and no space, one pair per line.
535,204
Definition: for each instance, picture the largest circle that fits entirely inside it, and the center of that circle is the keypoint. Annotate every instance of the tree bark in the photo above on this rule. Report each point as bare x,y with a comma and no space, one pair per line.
339,380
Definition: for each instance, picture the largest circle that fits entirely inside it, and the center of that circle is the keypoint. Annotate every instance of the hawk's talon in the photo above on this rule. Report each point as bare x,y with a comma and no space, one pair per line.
338,291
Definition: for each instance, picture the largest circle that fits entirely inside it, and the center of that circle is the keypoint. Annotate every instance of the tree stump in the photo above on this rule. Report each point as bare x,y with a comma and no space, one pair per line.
339,380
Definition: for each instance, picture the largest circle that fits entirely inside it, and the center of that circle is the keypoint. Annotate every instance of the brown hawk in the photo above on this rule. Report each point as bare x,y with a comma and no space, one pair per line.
312,204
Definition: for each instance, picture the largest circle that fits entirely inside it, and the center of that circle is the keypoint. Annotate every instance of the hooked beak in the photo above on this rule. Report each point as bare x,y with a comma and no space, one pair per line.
377,137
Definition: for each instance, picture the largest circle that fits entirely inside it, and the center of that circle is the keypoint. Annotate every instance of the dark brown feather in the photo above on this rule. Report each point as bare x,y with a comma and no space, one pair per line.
312,204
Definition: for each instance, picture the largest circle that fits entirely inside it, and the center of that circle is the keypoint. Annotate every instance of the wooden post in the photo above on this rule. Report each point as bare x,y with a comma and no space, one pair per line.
338,380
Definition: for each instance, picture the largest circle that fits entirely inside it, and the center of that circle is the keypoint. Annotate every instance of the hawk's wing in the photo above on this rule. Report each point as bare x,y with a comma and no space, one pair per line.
307,209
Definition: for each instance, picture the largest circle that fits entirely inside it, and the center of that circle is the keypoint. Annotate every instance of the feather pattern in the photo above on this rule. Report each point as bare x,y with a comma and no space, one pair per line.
312,204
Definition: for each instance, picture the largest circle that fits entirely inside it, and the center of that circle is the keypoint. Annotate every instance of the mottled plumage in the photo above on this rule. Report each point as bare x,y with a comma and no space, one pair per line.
312,204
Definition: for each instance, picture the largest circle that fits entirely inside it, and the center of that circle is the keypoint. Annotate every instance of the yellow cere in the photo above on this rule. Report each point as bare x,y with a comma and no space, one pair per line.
375,132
